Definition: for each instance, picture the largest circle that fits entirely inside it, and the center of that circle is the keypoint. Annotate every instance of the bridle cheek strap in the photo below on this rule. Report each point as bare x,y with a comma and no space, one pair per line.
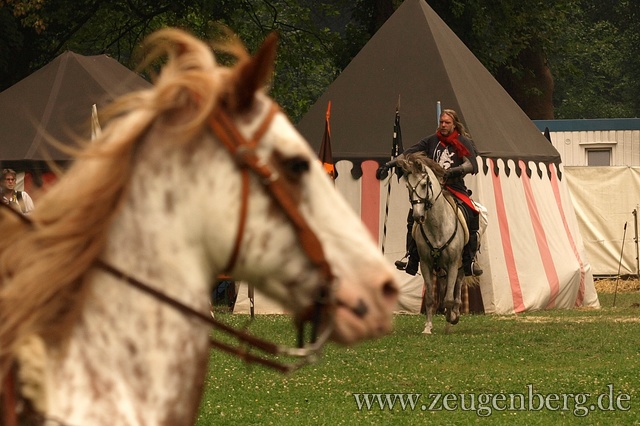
244,206
244,153
224,126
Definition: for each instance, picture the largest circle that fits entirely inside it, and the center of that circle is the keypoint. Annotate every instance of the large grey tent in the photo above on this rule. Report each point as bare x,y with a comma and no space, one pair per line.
532,252
416,56
56,102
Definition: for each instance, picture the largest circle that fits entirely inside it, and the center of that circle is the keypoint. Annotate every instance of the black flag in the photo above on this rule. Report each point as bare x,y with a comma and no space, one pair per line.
397,147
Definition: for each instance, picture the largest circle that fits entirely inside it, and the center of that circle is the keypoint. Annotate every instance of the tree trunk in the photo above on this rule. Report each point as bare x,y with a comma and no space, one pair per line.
532,86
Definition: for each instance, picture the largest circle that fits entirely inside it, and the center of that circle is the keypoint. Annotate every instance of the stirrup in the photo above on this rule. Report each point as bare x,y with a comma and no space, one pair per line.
472,270
476,271
402,263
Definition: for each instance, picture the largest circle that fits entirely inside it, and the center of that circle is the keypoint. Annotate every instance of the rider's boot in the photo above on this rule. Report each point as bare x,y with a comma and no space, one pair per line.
471,267
414,259
410,266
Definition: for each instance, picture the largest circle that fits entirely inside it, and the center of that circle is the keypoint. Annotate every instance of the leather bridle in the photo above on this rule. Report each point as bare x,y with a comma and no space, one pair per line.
243,152
415,198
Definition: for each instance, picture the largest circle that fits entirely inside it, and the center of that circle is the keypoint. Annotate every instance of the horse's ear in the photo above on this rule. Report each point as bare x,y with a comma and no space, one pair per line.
255,73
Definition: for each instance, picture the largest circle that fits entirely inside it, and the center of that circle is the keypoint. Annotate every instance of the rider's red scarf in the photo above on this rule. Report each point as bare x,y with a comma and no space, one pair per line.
452,139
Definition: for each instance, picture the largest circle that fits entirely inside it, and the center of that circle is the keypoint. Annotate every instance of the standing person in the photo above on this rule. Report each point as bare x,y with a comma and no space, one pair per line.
19,200
451,147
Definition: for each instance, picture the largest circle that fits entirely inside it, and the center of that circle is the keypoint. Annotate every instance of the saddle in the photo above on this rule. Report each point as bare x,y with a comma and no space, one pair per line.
459,212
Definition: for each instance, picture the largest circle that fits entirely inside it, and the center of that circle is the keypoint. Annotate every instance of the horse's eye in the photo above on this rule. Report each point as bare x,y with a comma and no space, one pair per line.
295,167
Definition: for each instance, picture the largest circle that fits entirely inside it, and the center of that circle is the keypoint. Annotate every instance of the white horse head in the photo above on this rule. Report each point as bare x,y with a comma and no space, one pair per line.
162,196
423,178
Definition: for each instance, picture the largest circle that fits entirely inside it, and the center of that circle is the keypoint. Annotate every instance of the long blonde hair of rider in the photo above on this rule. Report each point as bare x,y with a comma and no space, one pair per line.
456,122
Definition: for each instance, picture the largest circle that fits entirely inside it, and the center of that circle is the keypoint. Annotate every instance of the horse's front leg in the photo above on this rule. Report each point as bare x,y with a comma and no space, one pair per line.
429,301
457,302
453,298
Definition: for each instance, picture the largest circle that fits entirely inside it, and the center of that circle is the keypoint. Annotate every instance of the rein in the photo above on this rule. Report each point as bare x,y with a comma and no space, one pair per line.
423,200
308,353
244,153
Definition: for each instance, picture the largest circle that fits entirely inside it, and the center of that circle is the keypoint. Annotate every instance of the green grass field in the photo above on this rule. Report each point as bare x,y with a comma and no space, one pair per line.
540,368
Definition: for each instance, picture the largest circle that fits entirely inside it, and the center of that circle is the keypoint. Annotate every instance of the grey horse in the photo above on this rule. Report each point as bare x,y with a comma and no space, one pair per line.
440,233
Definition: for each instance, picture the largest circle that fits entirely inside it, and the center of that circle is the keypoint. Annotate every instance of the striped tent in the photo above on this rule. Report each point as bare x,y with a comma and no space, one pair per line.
532,252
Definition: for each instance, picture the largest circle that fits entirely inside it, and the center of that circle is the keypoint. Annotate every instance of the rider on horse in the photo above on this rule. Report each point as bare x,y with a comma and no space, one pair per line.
451,147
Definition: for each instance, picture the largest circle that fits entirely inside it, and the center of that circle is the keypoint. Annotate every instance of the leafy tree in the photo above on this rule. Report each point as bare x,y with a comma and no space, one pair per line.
598,68
556,58
304,66
38,31
512,38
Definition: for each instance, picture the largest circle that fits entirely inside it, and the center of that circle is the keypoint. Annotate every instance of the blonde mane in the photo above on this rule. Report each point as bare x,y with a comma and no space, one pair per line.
43,267
414,162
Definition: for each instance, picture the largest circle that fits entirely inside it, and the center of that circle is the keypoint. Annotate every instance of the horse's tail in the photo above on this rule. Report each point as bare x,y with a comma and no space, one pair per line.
471,281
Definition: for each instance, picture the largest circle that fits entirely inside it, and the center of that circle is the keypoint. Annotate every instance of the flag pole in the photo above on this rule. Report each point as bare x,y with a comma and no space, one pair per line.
396,149
96,130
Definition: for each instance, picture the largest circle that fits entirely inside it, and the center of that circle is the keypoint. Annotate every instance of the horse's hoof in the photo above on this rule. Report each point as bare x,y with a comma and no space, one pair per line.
452,317
426,331
448,328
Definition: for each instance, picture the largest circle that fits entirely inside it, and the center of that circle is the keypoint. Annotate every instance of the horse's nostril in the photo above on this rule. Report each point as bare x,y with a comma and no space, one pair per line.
361,309
390,290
